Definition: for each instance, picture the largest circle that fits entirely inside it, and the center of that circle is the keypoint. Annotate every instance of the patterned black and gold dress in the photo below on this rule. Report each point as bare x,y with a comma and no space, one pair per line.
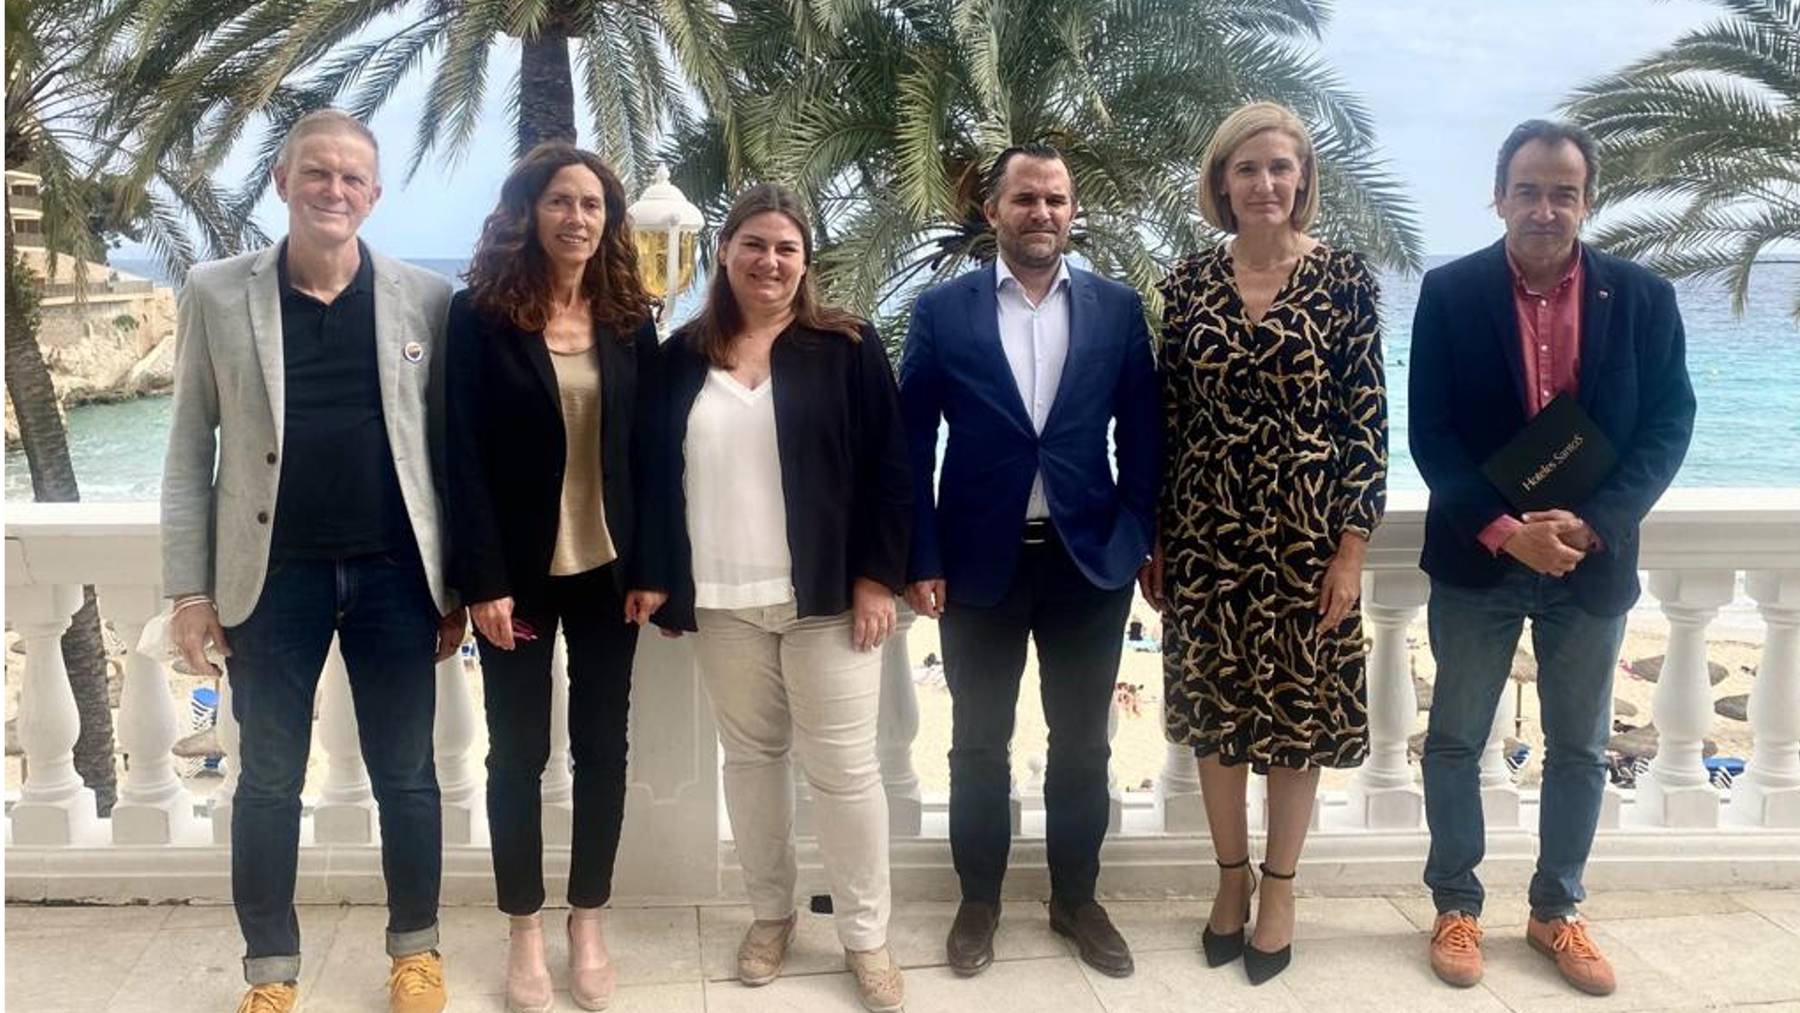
1276,445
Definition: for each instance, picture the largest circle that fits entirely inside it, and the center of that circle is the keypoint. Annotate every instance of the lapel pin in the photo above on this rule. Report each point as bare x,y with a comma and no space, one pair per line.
1604,293
413,351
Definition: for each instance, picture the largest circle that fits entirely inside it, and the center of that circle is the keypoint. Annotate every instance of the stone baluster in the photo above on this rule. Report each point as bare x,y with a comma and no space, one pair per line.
1499,792
1115,796
1178,791
1768,793
54,806
1384,792
1676,792
153,805
896,728
452,737
557,785
220,810
345,813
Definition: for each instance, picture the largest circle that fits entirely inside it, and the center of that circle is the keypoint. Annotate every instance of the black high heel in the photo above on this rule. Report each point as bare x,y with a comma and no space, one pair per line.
1224,948
1261,965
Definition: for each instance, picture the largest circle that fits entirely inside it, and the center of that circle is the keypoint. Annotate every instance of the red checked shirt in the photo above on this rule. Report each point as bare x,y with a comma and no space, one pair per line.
1550,342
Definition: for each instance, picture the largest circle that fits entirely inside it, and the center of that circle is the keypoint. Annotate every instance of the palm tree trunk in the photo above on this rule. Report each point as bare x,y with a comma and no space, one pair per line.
46,445
546,90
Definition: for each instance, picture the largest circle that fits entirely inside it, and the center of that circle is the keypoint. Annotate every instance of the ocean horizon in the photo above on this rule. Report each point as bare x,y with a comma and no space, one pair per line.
1745,370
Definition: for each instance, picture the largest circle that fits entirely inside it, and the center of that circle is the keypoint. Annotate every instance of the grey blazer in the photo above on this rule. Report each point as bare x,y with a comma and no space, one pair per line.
229,386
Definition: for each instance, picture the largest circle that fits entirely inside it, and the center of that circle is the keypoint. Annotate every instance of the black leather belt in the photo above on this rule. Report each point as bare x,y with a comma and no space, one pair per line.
1038,531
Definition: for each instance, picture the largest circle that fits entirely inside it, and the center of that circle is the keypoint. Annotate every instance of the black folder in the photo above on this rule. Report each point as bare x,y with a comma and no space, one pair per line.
1556,461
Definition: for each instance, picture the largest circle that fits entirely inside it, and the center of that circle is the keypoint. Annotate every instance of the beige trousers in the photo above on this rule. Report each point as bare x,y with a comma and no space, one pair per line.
781,684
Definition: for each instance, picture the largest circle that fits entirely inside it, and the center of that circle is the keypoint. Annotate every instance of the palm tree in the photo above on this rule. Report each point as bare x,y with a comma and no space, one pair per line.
887,112
1707,133
61,75
240,60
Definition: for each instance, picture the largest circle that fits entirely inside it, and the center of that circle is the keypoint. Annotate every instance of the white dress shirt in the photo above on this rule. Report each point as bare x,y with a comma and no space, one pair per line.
1036,342
736,514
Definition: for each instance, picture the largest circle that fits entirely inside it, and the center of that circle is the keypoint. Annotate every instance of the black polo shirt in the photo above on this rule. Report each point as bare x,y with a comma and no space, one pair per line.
339,494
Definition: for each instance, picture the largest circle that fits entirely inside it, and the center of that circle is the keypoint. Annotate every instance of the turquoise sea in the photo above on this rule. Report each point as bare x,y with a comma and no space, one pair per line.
1746,374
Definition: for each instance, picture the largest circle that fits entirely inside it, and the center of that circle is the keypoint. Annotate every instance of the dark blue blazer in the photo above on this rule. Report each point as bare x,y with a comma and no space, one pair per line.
1467,398
954,369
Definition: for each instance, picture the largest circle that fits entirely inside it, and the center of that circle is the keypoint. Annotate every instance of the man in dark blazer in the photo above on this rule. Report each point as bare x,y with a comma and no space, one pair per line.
1029,535
1498,335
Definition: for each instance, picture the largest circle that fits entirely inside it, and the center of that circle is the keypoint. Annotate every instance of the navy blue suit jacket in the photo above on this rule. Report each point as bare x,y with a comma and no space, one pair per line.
954,369
1466,390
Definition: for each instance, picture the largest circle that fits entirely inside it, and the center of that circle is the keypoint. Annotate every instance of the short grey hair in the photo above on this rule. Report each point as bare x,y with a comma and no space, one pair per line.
326,121
1552,133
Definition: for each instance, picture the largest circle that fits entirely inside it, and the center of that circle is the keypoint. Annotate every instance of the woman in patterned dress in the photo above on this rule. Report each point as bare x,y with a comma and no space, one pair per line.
1277,461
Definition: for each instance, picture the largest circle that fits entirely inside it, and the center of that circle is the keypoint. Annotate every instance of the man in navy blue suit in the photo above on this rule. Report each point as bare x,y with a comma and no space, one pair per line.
1030,536
1497,336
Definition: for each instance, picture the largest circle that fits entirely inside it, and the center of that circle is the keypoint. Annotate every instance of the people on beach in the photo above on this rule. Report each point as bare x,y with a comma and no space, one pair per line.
793,508
552,371
299,503
1499,335
1030,536
1275,476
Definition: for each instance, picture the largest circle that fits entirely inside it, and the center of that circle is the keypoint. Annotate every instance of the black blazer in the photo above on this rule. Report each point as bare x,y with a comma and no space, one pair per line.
1467,398
506,450
844,472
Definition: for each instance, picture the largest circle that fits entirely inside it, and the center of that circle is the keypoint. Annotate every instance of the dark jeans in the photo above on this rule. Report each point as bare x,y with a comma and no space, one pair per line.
386,625
516,686
1474,632
1079,629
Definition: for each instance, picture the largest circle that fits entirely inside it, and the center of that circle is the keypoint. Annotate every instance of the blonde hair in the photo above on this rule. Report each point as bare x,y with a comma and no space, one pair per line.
1244,123
326,121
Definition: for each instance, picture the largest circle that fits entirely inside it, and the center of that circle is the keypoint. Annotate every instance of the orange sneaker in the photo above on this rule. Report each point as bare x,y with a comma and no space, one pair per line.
1456,949
273,997
1566,941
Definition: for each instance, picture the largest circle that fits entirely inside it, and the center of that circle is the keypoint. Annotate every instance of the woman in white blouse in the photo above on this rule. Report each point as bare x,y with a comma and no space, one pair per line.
787,461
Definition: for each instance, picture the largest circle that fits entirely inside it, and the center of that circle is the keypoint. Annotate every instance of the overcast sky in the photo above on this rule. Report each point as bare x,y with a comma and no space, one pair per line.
1445,80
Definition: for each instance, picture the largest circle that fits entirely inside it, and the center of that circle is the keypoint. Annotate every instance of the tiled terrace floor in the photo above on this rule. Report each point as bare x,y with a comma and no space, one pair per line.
1673,951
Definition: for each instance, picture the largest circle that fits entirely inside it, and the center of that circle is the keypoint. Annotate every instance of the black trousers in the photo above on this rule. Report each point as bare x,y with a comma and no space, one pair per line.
516,688
1079,629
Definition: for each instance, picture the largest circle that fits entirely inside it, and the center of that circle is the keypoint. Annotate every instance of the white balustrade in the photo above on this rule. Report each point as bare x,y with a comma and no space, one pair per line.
1768,793
220,809
345,813
452,737
1677,792
54,806
1499,792
153,806
1384,791
557,786
1178,791
1115,799
896,728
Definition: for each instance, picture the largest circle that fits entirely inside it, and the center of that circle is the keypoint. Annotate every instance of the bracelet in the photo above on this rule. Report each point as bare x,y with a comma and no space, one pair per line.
189,602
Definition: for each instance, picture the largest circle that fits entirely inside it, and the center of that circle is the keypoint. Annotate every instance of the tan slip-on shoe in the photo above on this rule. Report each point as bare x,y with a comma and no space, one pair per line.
764,950
1566,941
1456,949
272,997
416,984
879,985
592,976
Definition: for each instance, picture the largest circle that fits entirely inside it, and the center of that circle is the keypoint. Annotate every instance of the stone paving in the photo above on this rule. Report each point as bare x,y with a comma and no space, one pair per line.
1673,951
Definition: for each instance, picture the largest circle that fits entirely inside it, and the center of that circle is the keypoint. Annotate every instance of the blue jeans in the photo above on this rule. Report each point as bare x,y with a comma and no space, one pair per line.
1474,632
386,623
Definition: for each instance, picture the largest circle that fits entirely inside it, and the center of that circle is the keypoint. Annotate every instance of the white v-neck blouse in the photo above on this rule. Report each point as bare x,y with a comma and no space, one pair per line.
736,515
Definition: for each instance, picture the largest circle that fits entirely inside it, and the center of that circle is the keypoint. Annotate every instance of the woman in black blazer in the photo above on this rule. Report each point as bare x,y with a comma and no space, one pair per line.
788,465
552,375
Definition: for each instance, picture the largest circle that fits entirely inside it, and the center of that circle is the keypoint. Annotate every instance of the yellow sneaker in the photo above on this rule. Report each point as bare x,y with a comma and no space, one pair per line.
274,997
416,984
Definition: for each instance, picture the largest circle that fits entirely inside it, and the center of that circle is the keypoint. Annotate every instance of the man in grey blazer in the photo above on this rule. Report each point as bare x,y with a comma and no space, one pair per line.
299,502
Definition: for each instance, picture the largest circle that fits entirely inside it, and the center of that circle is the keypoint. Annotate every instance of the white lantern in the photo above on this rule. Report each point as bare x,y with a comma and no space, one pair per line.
665,226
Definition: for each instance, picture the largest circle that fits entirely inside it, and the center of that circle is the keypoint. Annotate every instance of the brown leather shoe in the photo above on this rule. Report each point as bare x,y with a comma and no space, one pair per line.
970,947
1456,949
1566,941
1100,945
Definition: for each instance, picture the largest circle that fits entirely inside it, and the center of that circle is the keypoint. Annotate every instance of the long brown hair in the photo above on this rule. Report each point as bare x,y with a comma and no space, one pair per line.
720,320
510,273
